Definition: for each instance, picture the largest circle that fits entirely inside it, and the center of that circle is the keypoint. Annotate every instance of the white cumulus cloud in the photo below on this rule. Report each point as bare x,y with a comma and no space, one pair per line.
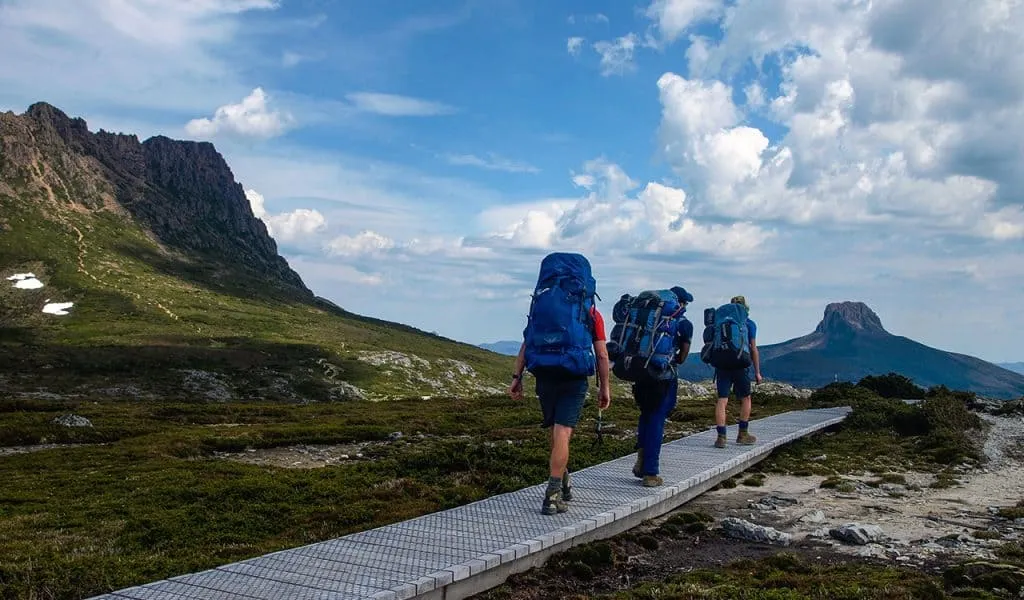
877,129
611,218
252,117
674,17
288,226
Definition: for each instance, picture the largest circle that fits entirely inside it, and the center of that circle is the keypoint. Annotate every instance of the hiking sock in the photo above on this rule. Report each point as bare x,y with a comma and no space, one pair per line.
721,430
744,425
554,486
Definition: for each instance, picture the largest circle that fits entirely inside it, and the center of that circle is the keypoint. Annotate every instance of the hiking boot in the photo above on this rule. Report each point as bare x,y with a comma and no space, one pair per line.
745,438
638,467
553,503
566,487
652,481
720,442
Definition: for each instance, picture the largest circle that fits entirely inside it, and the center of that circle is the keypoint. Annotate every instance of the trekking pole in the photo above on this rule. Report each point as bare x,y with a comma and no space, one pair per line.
600,435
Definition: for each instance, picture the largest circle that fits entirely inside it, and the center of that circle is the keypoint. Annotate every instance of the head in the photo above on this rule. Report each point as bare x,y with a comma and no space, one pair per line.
684,296
740,300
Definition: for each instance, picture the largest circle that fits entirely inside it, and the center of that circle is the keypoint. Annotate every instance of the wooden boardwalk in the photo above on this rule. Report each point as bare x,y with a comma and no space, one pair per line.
471,548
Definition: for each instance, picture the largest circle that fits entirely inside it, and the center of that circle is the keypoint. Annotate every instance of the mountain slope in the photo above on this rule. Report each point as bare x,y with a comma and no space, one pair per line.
850,343
177,287
1016,367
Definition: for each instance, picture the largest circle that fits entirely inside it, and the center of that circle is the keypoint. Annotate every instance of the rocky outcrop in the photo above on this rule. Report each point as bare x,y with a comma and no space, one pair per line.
843,318
183,192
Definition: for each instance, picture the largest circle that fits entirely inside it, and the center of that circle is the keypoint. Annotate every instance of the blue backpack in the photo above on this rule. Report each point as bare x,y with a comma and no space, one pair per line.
642,342
559,335
726,339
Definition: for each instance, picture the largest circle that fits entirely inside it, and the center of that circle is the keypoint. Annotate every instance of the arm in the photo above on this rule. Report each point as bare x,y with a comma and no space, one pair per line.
604,393
756,357
683,339
684,351
515,389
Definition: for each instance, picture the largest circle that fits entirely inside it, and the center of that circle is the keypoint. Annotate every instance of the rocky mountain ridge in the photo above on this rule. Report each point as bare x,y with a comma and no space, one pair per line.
174,289
184,193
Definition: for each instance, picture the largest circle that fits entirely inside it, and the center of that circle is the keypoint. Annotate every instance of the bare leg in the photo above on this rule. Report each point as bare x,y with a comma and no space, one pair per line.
744,409
560,435
720,410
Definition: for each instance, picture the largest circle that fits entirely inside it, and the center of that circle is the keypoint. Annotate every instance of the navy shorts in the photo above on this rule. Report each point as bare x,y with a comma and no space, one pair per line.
737,379
561,400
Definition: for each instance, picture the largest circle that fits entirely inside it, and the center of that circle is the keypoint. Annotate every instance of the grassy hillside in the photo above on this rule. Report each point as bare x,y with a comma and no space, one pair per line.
161,324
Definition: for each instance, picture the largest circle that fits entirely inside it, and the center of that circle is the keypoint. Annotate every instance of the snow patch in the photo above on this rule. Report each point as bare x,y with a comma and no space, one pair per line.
57,308
25,281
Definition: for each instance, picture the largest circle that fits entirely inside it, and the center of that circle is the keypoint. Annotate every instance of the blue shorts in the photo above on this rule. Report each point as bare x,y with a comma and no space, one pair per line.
737,379
561,400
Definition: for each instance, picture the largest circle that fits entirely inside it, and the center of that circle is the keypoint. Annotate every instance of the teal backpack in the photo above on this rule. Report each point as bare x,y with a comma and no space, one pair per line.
726,339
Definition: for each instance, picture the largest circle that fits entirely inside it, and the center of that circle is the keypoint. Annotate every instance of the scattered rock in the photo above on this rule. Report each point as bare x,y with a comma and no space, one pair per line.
395,435
72,421
815,516
745,530
873,551
344,391
689,389
894,489
774,503
855,533
778,388
819,458
210,385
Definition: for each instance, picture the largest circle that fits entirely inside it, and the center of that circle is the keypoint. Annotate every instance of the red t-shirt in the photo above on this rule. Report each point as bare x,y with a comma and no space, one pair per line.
598,324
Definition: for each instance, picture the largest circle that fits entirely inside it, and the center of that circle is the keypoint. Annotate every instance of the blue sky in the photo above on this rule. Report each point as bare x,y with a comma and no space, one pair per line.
414,161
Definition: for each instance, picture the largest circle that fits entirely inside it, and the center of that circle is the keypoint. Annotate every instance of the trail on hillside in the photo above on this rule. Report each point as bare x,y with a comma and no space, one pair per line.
82,248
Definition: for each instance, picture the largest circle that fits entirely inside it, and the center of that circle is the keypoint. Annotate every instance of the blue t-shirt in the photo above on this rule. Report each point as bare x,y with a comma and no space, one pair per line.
684,333
751,329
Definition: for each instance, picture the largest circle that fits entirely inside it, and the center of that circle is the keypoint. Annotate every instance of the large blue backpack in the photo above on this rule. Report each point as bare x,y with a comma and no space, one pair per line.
726,339
559,334
642,342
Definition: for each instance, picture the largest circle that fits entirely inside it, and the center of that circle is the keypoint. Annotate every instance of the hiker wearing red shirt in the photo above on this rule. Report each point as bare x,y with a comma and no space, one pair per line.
563,345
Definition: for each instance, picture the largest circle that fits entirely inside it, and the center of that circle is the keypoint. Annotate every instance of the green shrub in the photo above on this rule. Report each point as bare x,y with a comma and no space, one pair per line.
892,385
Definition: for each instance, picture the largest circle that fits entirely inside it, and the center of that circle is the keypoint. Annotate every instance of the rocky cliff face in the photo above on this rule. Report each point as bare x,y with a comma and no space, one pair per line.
184,193
845,318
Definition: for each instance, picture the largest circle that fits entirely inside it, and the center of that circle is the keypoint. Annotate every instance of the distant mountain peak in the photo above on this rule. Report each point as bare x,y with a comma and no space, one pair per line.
849,317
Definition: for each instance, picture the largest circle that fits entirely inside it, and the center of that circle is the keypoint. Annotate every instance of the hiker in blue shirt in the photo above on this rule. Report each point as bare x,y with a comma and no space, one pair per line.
739,380
656,400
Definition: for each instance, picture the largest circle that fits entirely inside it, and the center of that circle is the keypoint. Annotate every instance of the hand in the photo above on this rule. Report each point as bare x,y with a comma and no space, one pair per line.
604,398
759,378
516,389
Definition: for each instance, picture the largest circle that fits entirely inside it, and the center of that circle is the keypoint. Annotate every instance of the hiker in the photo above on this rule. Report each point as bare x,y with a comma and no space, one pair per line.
730,345
563,335
651,337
